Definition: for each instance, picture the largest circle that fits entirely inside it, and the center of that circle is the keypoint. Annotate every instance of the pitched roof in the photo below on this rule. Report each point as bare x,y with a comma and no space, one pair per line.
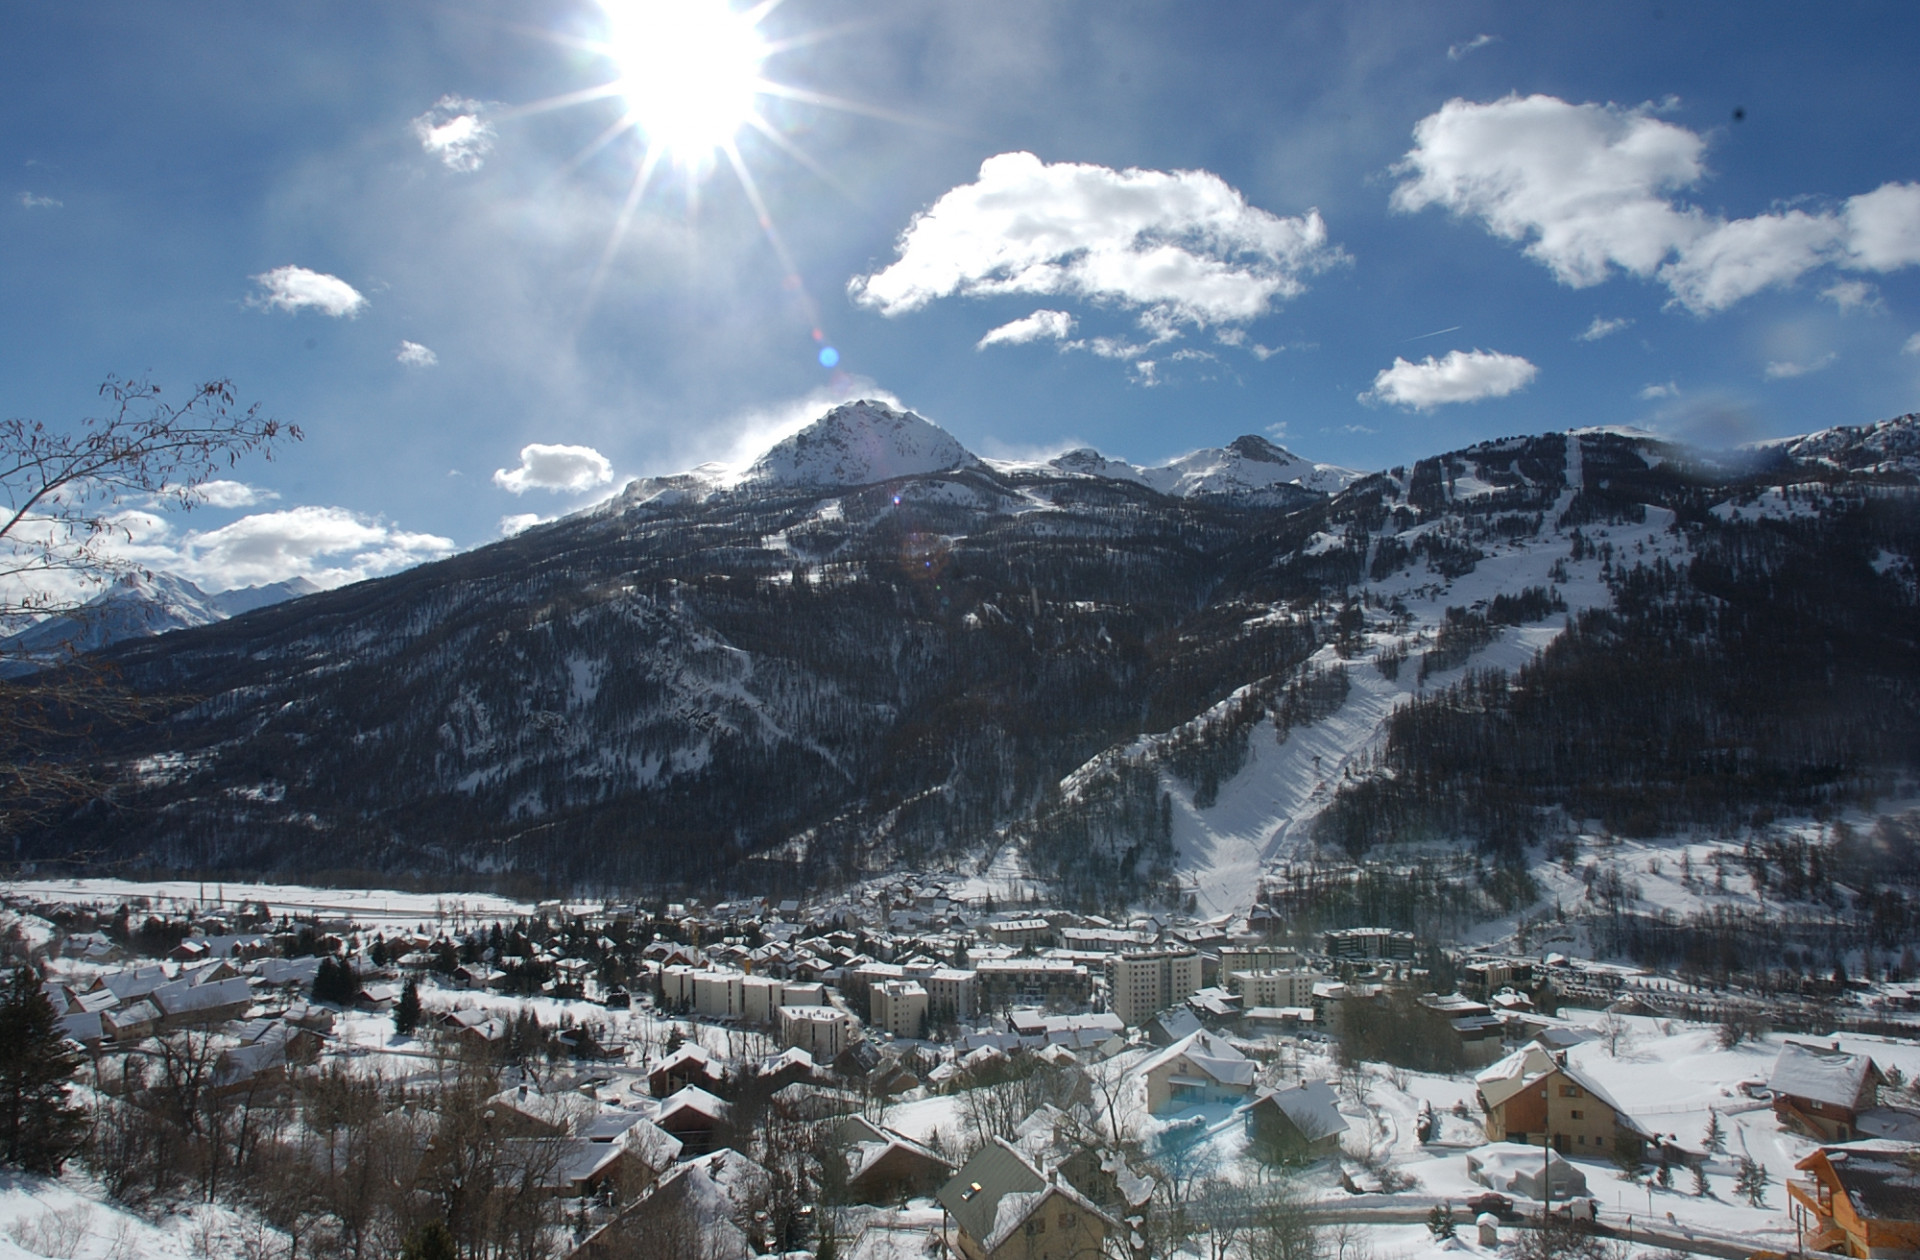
1311,1106
998,1189
1211,1054
1827,1076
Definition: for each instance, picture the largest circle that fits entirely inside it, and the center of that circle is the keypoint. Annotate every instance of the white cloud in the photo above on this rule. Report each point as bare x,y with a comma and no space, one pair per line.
1583,184
1456,51
1852,295
1603,328
413,354
1737,259
1181,247
31,202
454,131
562,469
1780,370
232,494
1883,228
1463,376
1912,346
1039,326
519,523
1651,392
330,546
1590,188
294,288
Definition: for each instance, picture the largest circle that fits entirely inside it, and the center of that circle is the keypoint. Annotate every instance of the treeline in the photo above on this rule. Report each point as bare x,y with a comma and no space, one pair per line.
1779,671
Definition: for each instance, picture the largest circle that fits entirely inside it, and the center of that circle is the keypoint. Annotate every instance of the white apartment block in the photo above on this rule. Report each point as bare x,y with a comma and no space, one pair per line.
899,1006
1274,988
1142,985
822,1031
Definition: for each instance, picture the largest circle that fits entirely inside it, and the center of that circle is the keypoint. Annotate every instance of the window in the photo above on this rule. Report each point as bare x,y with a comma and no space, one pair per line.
1579,1115
1068,1220
1036,1226
1814,1103
1569,1091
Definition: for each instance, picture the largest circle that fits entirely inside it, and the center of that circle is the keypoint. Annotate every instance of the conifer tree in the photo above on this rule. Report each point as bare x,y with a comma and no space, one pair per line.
39,1127
406,1013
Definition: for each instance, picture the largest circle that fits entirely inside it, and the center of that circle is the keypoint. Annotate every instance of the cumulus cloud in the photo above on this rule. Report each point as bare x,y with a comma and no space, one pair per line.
1603,328
1593,188
1912,346
31,202
413,354
1652,392
232,494
1782,370
519,523
562,469
297,288
329,546
1039,326
455,132
1852,295
1456,51
1463,376
1182,248
1883,228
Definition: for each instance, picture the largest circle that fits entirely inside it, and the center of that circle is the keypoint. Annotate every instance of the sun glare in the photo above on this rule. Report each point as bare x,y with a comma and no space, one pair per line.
690,72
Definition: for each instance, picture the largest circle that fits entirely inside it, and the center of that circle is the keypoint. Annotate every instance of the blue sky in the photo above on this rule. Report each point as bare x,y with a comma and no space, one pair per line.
1234,218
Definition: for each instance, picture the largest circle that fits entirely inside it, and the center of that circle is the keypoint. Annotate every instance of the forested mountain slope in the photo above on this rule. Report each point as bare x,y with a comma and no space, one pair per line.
785,680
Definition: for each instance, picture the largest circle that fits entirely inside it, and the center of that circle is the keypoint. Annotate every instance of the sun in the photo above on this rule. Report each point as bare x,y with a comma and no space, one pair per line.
689,72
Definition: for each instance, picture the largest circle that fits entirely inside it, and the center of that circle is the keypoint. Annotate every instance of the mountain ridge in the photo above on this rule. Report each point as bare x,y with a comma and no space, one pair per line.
794,684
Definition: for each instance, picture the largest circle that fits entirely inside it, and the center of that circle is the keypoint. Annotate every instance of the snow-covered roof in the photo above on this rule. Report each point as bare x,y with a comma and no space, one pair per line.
1208,1053
692,1098
1822,1075
1510,1075
998,1189
1312,1106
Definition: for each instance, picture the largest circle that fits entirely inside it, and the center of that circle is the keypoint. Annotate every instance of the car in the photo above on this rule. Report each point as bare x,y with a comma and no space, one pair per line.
1498,1204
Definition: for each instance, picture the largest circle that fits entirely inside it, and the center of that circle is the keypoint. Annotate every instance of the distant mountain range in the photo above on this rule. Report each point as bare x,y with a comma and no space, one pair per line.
138,605
872,648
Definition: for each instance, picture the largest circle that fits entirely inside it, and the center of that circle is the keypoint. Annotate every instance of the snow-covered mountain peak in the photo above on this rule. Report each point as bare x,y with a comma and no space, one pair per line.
1249,467
856,444
1888,446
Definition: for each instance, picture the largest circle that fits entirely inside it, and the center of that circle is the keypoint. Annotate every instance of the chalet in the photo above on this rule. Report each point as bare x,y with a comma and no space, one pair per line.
689,1065
1534,1096
1296,1125
694,1116
1821,1090
130,1020
884,1166
1199,1068
1004,1209
214,1002
1861,1200
693,1210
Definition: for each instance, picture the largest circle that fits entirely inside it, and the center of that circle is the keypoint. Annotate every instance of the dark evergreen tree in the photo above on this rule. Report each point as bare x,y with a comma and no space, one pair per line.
406,1013
431,1241
335,982
39,1127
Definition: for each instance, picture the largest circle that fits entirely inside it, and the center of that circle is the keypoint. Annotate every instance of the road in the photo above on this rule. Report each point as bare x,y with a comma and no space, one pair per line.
1415,1212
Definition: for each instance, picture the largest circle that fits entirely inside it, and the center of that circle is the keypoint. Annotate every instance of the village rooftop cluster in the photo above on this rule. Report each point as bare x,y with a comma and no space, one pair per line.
1002,1083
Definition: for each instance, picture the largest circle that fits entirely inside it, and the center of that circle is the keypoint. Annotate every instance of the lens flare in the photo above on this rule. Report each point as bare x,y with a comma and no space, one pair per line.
690,71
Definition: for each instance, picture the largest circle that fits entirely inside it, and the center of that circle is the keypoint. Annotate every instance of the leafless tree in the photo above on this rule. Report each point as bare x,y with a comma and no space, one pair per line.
63,498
